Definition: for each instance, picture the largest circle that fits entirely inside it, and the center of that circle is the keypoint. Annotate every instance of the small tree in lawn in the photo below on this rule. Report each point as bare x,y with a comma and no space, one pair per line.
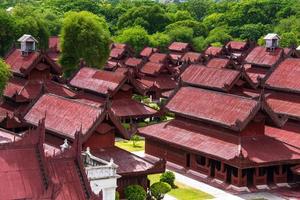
168,177
84,35
135,192
4,75
159,189
135,138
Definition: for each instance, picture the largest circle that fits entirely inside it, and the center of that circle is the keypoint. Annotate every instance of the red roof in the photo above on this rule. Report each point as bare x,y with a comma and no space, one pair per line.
163,82
148,51
158,57
175,56
213,51
218,63
7,136
117,53
284,103
226,110
179,46
23,64
224,145
26,173
133,62
255,74
22,90
192,57
120,45
152,68
286,76
131,108
261,57
63,116
214,78
236,45
54,43
100,81
128,163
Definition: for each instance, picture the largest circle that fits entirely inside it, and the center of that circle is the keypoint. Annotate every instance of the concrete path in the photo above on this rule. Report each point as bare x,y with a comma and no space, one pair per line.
262,195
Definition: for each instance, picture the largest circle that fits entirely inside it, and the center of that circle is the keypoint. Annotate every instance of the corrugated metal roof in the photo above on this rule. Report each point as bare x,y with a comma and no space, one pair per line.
163,82
286,76
152,68
218,63
117,53
148,51
236,45
63,116
284,103
158,57
131,108
133,62
192,57
214,78
260,56
213,51
99,81
226,110
255,73
216,142
178,46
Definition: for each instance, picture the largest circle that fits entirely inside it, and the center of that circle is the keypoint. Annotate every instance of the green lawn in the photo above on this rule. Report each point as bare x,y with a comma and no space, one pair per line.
183,192
128,145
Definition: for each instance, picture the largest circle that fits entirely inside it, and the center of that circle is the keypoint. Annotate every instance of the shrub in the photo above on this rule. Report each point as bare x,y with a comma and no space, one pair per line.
135,192
135,138
168,177
159,189
117,196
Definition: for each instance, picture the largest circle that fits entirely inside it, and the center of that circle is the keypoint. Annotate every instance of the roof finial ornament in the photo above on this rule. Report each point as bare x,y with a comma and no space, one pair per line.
65,145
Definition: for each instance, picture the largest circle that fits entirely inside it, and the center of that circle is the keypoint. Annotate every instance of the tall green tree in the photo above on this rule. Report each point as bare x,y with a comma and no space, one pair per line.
84,35
4,75
137,37
7,32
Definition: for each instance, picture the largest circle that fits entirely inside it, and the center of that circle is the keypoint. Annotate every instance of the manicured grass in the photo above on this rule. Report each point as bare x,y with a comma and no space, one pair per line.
128,145
183,192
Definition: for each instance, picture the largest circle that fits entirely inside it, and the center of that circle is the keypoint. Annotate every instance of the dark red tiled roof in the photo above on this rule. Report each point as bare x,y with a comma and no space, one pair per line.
152,68
198,137
131,108
261,57
218,63
286,76
178,46
192,57
133,62
63,116
158,57
100,81
236,45
284,103
128,163
214,78
226,110
148,51
213,51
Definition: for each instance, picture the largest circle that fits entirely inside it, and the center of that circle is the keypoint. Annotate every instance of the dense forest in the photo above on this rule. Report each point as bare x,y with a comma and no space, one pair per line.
141,23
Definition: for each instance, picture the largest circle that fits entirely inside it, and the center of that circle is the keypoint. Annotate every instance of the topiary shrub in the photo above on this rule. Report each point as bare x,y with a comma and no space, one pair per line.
117,196
168,177
159,189
135,192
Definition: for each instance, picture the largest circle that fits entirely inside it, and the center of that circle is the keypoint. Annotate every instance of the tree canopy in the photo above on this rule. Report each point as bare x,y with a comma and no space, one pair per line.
205,21
84,35
4,75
